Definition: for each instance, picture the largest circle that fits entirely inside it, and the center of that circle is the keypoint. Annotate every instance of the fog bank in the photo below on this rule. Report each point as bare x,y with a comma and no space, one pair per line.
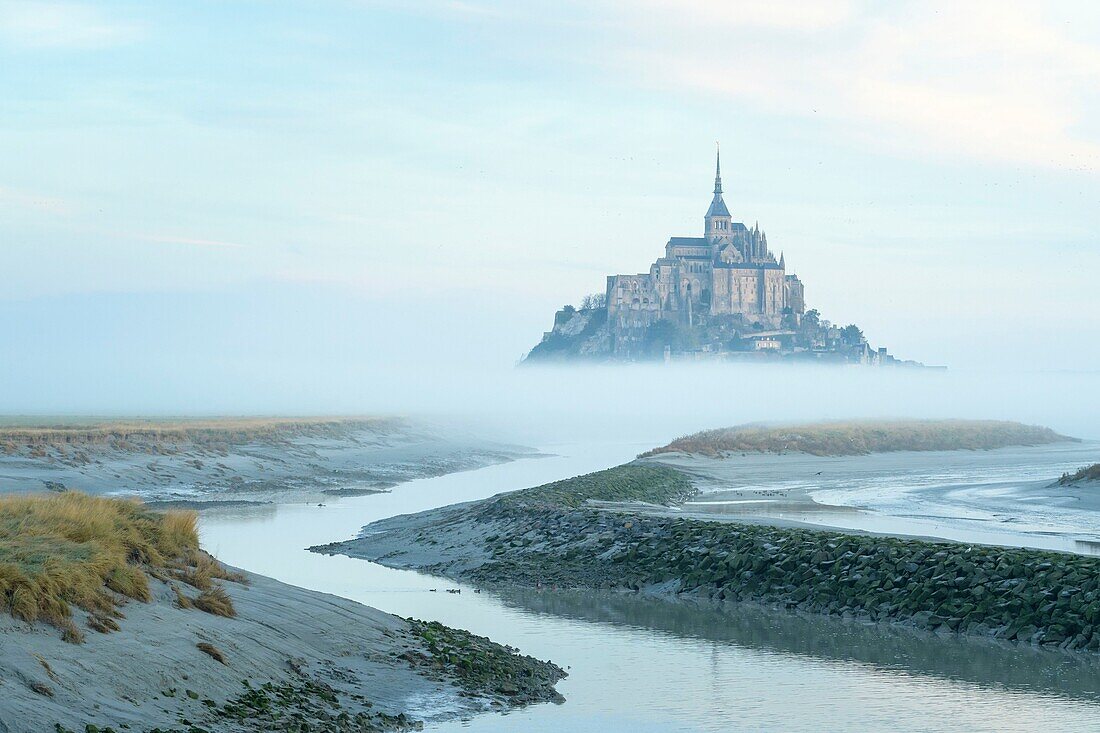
308,351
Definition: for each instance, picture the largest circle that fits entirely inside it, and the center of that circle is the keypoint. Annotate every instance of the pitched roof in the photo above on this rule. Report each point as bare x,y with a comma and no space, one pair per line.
718,206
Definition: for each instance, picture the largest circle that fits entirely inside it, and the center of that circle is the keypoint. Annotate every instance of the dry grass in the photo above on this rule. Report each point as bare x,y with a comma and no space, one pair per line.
215,601
1088,473
102,623
214,652
858,437
204,570
182,599
168,436
70,549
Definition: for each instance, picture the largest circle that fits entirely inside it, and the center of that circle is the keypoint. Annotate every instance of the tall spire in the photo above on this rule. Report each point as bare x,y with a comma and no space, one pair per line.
717,205
717,169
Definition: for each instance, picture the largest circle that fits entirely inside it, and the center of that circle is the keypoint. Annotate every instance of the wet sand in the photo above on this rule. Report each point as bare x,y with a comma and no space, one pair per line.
140,676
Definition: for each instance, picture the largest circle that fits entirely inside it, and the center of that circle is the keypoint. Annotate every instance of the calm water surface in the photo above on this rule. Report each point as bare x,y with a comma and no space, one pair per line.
639,665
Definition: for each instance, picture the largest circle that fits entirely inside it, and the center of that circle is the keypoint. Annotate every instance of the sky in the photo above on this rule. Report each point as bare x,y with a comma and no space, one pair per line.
233,198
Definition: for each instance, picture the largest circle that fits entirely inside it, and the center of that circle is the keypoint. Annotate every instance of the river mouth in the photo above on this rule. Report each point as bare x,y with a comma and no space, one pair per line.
643,664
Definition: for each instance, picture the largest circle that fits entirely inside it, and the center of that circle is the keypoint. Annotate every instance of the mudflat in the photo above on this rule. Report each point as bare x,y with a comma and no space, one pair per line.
193,462
319,657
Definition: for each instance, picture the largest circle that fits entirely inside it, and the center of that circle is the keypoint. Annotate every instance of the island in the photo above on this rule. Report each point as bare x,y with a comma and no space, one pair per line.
722,296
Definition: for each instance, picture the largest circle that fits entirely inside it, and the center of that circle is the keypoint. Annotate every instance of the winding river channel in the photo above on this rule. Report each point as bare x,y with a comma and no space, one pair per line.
639,664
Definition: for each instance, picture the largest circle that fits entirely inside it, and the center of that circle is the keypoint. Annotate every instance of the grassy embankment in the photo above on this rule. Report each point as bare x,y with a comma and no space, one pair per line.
632,482
861,437
547,536
1088,473
68,438
68,550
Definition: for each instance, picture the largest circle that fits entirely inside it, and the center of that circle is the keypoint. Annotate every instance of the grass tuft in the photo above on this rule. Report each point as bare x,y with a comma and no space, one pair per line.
1088,473
182,600
214,652
215,601
68,549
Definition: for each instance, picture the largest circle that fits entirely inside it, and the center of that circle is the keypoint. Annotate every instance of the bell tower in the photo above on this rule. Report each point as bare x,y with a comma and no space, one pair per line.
718,222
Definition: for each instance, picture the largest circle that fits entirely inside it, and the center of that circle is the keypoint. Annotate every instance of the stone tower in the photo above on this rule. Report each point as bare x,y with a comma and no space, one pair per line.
719,223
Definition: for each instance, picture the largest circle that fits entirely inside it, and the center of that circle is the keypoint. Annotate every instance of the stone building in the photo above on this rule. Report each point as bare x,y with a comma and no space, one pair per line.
728,272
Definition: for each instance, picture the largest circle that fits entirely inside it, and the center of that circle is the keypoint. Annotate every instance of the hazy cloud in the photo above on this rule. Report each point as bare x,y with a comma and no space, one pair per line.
37,24
193,242
33,202
999,81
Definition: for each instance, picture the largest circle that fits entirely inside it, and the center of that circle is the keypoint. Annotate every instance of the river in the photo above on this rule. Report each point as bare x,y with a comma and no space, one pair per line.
638,665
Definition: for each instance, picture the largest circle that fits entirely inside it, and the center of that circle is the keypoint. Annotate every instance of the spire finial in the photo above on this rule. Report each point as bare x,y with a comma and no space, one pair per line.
717,168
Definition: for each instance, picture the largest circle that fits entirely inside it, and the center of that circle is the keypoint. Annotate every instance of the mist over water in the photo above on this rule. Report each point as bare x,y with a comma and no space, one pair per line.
327,350
640,402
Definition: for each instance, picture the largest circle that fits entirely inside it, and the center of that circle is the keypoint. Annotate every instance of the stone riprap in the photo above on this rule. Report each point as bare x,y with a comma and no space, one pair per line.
548,536
483,667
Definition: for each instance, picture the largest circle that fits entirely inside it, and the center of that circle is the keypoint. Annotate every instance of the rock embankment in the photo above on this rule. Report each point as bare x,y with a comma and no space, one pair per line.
547,537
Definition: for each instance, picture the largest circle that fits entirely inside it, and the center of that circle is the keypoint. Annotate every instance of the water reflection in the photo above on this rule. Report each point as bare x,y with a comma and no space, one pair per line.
987,662
641,665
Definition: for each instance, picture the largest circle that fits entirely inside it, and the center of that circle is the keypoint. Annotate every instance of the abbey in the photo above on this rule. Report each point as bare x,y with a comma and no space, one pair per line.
729,271
719,297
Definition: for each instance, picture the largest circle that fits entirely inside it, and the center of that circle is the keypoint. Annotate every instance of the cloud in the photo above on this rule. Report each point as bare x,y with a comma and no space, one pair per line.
33,202
724,16
44,24
1005,82
192,242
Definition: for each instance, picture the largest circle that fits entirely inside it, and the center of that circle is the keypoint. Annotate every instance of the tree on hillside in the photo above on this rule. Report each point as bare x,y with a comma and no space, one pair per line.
851,334
594,301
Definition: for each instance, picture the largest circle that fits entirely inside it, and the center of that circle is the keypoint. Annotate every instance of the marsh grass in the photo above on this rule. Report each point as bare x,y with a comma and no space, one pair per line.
631,482
70,549
214,652
860,437
69,439
216,601
1088,473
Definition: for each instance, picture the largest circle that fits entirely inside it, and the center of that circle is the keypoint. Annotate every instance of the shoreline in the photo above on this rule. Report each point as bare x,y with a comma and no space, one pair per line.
322,659
231,460
290,655
549,537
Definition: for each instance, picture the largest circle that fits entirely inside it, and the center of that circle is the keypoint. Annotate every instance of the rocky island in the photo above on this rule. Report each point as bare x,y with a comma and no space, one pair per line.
721,296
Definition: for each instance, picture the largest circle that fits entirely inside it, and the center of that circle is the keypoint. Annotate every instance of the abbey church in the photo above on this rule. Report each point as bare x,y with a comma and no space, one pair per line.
722,296
729,271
